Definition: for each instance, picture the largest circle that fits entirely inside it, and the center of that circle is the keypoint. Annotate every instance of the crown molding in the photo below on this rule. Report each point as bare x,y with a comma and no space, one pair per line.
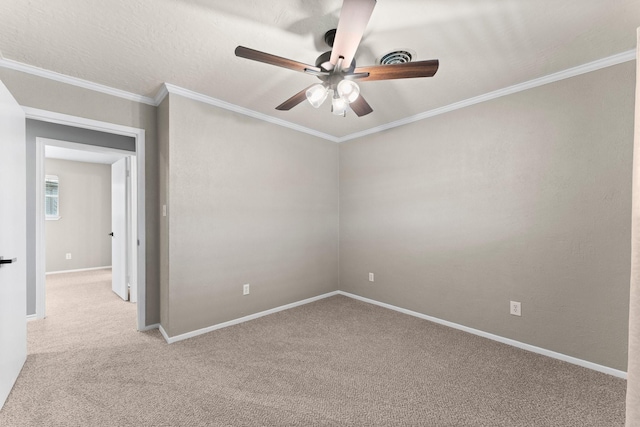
176,90
167,88
161,95
609,61
74,81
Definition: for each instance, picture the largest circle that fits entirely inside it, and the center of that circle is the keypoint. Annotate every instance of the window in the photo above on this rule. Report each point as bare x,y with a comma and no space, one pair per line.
51,197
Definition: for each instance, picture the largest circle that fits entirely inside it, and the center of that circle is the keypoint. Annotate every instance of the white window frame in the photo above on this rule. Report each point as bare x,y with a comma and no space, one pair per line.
46,216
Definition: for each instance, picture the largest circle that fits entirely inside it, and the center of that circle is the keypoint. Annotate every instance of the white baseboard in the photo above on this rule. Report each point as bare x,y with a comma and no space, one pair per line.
31,317
508,341
78,270
149,327
165,335
195,333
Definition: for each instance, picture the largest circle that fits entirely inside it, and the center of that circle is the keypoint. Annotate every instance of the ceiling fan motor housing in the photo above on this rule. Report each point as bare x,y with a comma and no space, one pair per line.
324,58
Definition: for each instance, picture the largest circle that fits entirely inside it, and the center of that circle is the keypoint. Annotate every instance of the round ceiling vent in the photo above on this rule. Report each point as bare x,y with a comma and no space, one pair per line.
399,56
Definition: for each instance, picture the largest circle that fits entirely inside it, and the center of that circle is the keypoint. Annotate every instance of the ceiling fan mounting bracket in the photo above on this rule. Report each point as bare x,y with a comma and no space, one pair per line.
329,37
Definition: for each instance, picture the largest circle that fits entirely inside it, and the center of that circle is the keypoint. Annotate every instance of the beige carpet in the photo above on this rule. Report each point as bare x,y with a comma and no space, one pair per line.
335,362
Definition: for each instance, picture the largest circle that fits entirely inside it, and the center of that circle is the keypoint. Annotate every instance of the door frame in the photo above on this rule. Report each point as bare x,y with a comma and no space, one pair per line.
80,122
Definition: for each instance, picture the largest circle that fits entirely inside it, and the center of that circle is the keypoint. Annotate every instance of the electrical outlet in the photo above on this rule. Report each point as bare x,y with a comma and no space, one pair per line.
245,289
515,308
68,256
371,277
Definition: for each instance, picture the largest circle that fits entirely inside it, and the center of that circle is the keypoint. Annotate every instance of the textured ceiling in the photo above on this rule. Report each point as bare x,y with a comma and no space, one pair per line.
482,45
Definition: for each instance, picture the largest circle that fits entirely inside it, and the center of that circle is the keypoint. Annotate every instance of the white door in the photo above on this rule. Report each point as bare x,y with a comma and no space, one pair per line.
132,223
119,239
13,241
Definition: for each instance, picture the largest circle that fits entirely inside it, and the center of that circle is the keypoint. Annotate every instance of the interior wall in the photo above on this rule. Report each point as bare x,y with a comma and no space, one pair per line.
85,216
37,92
164,197
251,202
524,198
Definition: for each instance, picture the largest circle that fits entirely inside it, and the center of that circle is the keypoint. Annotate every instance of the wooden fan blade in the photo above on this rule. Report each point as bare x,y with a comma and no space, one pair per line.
294,100
354,17
360,106
267,58
407,70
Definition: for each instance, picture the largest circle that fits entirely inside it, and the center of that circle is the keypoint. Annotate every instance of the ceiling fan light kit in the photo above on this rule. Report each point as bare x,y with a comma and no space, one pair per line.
348,90
330,66
339,105
316,94
345,93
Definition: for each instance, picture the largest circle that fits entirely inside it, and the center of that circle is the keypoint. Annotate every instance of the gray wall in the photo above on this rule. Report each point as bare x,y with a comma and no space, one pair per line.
163,178
250,202
525,198
37,92
85,216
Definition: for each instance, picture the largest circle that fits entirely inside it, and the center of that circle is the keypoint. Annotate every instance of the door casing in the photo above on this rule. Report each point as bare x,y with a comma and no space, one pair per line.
139,136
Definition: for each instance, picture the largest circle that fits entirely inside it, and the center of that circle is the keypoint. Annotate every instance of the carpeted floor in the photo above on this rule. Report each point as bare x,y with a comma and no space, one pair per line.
335,362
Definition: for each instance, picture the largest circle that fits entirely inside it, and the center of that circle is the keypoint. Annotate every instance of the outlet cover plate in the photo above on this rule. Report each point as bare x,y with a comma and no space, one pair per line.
245,289
515,308
371,277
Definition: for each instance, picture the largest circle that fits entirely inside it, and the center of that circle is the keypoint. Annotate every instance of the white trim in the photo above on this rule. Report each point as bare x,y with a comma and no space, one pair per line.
161,95
197,332
32,317
629,55
74,81
81,122
165,335
40,255
139,135
132,248
77,270
508,341
149,327
247,112
141,229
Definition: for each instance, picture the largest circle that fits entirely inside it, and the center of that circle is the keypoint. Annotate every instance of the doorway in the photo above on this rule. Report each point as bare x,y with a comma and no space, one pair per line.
136,225
89,203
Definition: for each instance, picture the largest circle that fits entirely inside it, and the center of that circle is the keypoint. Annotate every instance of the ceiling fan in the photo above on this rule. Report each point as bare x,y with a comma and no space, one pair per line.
337,68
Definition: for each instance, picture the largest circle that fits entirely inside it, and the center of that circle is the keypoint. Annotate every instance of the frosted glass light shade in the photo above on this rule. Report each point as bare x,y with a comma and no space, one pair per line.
339,106
349,90
316,95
